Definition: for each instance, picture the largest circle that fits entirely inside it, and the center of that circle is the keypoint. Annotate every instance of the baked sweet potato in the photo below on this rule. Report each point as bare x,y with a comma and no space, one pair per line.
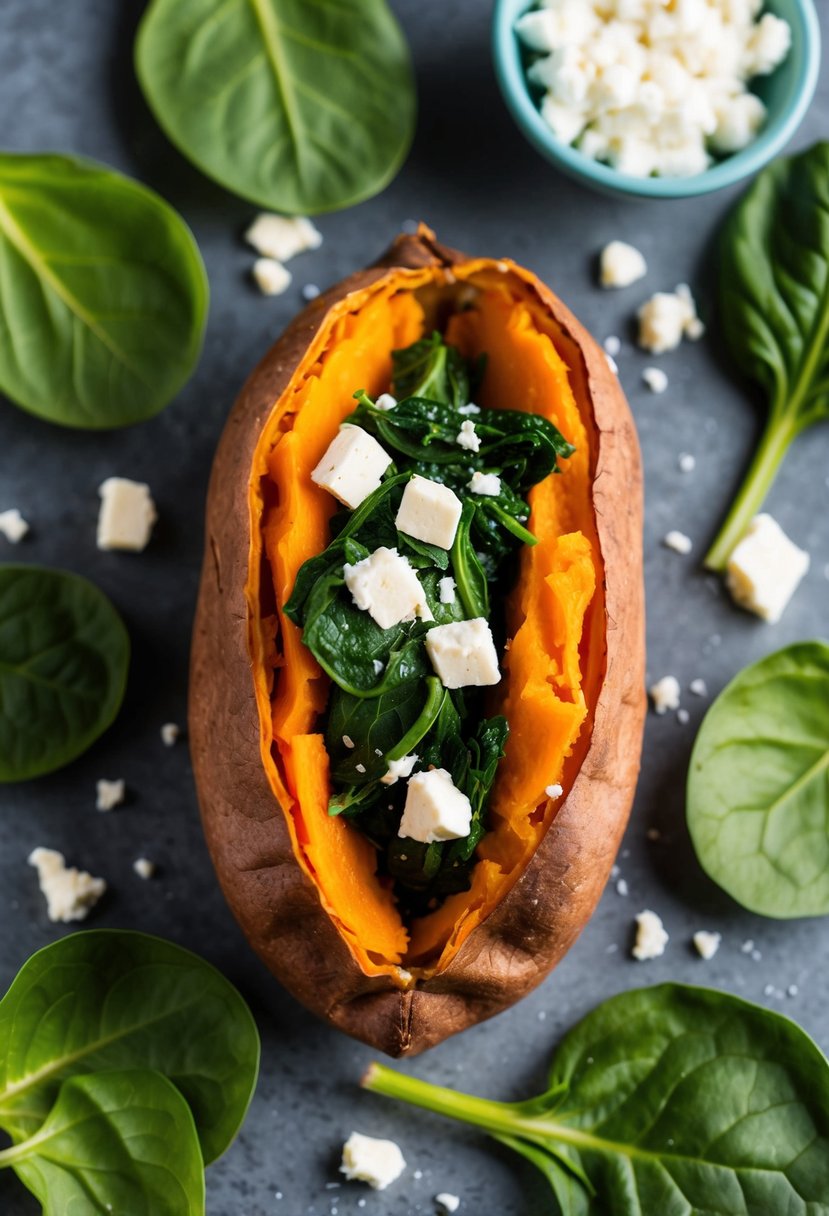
302,883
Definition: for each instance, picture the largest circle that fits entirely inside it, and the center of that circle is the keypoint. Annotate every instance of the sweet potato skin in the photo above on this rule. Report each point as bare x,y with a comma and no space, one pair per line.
277,906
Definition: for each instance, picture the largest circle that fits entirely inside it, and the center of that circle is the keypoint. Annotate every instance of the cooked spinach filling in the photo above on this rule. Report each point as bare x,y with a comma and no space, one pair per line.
386,701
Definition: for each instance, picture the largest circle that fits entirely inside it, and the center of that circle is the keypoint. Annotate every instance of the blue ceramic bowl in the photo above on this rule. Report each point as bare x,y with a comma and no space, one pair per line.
786,93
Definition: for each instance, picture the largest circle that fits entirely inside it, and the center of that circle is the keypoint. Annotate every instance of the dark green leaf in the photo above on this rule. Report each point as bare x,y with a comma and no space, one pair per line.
470,579
431,368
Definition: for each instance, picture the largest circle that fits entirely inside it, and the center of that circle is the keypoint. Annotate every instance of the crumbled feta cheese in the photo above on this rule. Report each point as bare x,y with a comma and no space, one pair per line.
792,990
463,653
665,694
70,893
698,687
678,541
310,291
612,364
622,888
449,1203
12,525
769,45
707,944
109,794
366,1159
348,741
739,120
620,265
683,717
765,569
361,768
386,587
353,465
651,937
435,808
485,483
170,733
379,666
446,589
143,867
666,318
385,402
686,462
429,511
127,514
270,276
655,379
553,791
469,408
398,769
467,438
612,345
282,237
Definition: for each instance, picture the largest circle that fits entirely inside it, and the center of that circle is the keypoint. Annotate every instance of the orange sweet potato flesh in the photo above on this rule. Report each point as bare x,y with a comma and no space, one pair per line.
303,884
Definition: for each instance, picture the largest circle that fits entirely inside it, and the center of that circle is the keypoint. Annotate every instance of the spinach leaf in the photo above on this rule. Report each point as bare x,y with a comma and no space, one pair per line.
668,1099
108,1000
431,368
64,654
298,106
114,1142
470,577
103,293
758,785
774,314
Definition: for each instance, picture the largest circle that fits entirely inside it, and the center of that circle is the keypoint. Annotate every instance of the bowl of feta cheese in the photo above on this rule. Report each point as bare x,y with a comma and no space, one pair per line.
657,98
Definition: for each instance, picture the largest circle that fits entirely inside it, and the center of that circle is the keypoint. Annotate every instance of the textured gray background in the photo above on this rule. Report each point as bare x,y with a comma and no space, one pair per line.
66,84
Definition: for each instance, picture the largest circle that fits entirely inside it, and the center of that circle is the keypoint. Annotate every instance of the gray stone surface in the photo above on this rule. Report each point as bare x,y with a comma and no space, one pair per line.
66,83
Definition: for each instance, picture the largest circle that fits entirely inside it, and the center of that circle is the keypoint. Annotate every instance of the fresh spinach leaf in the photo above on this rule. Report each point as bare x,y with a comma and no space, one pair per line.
64,654
109,1000
432,368
300,107
114,1142
103,293
774,315
470,577
758,785
668,1099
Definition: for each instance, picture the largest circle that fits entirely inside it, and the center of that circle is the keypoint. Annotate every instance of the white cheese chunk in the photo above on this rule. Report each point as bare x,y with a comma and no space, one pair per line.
12,525
769,45
707,944
620,265
651,937
678,541
698,687
686,462
447,1202
126,516
469,408
310,291
366,1159
612,345
398,769
463,653
270,276
385,402
467,437
109,794
666,318
446,589
352,467
554,791
170,732
738,121
144,868
665,694
765,569
282,237
435,808
386,587
484,483
655,379
70,893
429,511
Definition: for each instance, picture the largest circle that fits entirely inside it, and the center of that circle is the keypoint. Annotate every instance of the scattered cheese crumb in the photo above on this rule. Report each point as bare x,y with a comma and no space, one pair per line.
612,364
687,463
665,694
621,265
70,893
348,741
484,483
655,379
554,791
792,990
469,408
270,276
449,1203
698,687
668,317
110,794
170,732
683,717
361,768
765,569
747,946
143,867
12,525
310,291
386,401
612,345
446,589
126,516
282,237
707,944
399,768
678,541
379,668
467,438
651,937
366,1159
622,888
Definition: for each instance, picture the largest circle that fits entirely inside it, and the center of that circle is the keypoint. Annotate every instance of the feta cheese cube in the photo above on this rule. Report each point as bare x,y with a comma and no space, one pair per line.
109,794
446,589
678,541
353,465
386,587
281,237
70,893
620,265
12,525
665,694
429,511
144,868
399,768
651,937
435,808
170,732
765,569
655,379
126,516
270,276
485,483
366,1159
467,437
666,318
707,944
463,653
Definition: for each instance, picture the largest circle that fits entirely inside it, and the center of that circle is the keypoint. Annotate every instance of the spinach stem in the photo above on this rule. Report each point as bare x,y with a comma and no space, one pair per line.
482,1112
423,723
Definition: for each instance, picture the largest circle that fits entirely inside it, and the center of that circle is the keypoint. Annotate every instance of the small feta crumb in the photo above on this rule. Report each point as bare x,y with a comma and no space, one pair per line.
70,893
170,733
110,794
310,291
352,467
678,541
768,990
385,402
651,937
612,364
12,525
665,694
698,687
467,438
143,867
435,808
756,956
361,768
270,276
666,318
126,516
747,946
348,741
687,463
769,45
621,265
379,668
765,569
399,768
792,990
554,791
469,408
386,587
366,1159
282,237
429,511
446,589
707,944
485,483
463,653
655,379
612,346
622,888
449,1203
683,717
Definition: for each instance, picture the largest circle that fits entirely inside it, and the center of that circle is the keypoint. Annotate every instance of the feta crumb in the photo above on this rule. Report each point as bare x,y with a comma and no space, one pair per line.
282,237
170,733
651,937
435,808
765,569
621,265
683,717
687,463
361,768
485,483
449,1203
554,791
379,668
463,653
446,589
747,946
366,1159
70,893
429,511
310,291
143,867
612,345
469,408
126,516
655,379
270,276
348,741
467,438
352,466
109,794
622,888
612,364
706,944
666,318
386,587
12,525
399,768
698,687
385,402
792,990
665,694
678,541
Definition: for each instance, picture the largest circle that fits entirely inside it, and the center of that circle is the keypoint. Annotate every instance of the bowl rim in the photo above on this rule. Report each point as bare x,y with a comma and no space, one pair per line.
735,168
